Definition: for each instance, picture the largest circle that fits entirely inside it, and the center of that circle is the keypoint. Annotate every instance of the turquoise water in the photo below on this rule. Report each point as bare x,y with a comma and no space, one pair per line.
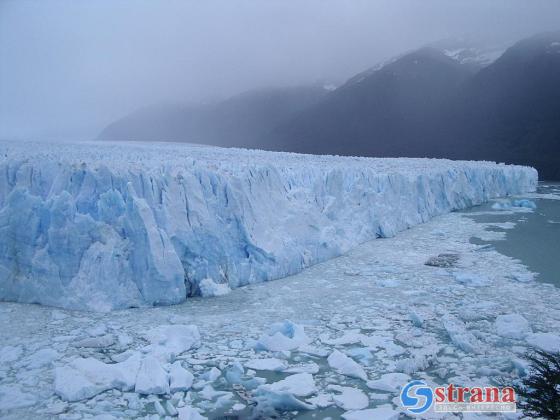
535,239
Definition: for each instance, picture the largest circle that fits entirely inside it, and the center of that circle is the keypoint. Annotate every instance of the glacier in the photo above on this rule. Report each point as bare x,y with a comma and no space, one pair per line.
104,226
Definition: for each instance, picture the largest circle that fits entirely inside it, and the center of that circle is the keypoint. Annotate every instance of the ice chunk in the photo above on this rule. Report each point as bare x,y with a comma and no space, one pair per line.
471,279
364,355
152,378
349,337
383,412
389,382
507,205
300,385
210,288
96,342
321,400
42,358
349,398
346,366
269,401
416,318
10,353
14,396
180,379
501,205
545,341
169,341
303,368
512,326
524,203
283,336
189,413
85,378
267,364
212,374
282,395
459,334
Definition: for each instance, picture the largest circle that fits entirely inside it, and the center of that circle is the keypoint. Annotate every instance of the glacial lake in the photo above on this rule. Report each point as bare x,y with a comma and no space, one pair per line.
535,239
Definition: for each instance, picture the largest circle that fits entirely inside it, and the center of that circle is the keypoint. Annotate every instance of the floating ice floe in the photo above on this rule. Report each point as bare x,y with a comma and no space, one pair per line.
96,342
349,398
168,341
282,395
180,379
189,413
271,363
507,205
346,366
151,377
43,357
512,326
283,336
471,279
84,378
15,396
209,288
300,385
384,412
545,341
460,336
389,382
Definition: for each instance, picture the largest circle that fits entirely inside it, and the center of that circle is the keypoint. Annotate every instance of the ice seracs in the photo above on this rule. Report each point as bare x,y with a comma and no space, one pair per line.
107,226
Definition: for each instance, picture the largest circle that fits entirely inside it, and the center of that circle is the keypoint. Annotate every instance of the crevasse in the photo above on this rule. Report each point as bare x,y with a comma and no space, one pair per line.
103,226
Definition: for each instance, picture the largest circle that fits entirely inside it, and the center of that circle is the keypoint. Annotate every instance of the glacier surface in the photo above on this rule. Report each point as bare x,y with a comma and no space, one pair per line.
102,226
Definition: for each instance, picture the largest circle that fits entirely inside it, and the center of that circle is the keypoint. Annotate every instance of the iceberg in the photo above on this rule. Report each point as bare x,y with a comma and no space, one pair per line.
103,226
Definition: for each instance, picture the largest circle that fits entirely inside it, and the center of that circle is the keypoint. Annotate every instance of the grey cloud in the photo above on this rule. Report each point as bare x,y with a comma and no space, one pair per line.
69,67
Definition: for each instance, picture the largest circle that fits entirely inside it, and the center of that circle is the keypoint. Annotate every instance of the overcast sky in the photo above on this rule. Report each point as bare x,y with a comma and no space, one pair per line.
68,68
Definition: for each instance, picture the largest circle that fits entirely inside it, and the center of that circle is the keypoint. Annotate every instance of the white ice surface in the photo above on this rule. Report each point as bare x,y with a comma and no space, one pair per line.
377,322
103,226
346,366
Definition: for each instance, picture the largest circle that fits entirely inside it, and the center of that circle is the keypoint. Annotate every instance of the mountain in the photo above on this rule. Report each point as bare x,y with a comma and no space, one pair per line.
510,110
241,121
452,99
473,53
434,103
387,112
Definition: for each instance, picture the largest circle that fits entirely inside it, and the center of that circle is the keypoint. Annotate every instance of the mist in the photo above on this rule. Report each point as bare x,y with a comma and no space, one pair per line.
68,68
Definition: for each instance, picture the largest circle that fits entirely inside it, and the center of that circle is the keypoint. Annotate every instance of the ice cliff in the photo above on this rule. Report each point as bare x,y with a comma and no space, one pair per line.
104,226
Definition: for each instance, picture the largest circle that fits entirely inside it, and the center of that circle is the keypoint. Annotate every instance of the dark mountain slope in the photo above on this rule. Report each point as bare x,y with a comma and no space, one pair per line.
510,111
426,104
387,112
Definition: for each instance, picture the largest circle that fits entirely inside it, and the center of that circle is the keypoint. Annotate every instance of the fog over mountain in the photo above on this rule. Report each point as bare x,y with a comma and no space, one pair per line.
445,100
426,103
68,68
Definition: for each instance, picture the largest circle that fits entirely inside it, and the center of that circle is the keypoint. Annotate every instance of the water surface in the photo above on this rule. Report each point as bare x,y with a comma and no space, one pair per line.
535,239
